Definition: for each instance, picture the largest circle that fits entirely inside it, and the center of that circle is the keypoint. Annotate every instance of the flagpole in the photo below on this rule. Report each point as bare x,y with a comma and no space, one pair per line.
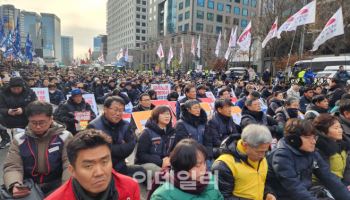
291,48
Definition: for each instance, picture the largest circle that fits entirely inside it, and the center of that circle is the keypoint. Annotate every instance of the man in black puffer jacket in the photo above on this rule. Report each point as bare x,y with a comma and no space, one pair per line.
13,101
65,113
124,140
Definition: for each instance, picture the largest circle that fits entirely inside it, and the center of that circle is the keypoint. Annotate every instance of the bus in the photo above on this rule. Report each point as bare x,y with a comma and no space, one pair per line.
320,63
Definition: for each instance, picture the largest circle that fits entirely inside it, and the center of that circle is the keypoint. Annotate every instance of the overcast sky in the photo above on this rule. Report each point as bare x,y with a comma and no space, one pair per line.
82,19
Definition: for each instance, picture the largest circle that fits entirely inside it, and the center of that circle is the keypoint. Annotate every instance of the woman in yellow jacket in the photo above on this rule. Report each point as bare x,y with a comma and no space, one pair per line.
333,146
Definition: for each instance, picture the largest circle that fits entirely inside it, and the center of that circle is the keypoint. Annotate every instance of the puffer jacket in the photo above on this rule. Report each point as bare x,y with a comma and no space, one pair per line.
65,113
50,148
190,126
238,177
273,106
345,124
8,100
312,111
290,174
154,144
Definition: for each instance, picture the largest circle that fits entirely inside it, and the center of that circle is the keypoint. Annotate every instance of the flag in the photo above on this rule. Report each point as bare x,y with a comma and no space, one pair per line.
199,46
245,39
193,46
170,55
334,27
218,46
120,54
101,58
160,51
17,38
306,15
232,43
126,56
272,33
89,53
2,33
285,26
181,52
29,49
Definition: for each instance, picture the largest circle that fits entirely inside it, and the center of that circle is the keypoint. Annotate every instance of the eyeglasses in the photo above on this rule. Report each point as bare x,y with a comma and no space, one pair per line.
38,123
146,100
310,137
116,110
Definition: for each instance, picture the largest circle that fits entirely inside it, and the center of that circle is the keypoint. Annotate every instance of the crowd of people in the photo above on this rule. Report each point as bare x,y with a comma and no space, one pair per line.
291,142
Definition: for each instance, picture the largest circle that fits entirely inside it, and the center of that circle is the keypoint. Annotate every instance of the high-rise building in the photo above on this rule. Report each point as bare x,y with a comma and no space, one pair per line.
126,27
67,50
9,15
100,45
51,33
32,24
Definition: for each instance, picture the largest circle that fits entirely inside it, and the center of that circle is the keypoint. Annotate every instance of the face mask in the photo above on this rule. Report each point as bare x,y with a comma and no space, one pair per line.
292,112
52,91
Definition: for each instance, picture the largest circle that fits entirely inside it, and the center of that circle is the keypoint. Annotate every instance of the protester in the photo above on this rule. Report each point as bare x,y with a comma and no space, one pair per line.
156,141
144,103
306,99
318,106
275,102
344,118
294,91
66,112
288,111
242,168
39,153
295,160
188,167
335,92
93,177
190,94
56,95
342,75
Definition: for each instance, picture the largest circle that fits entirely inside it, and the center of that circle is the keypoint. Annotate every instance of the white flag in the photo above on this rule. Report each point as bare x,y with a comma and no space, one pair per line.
285,26
232,43
126,56
218,46
181,52
170,55
193,46
272,33
120,54
334,27
160,51
245,39
199,46
306,15
101,58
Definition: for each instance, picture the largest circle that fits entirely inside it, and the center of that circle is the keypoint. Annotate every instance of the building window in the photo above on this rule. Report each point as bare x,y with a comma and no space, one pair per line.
211,4
143,31
181,5
138,9
187,15
245,2
179,28
252,14
144,3
143,16
137,37
220,7
237,11
219,18
200,3
238,1
186,27
138,16
210,16
180,17
228,20
200,14
209,28
235,21
199,27
137,23
143,9
143,38
188,3
244,12
228,8
253,3
218,29
244,23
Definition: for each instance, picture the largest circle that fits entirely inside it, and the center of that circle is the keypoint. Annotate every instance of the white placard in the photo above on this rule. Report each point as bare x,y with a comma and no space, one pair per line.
162,90
42,94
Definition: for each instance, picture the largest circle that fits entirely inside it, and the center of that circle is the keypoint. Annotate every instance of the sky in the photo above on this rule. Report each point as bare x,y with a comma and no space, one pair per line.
82,19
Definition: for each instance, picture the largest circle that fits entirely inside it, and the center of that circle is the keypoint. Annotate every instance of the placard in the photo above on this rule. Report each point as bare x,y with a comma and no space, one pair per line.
162,90
83,118
42,94
236,113
90,99
141,118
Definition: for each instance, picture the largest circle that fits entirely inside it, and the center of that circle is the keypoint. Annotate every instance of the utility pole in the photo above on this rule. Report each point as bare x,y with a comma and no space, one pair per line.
302,38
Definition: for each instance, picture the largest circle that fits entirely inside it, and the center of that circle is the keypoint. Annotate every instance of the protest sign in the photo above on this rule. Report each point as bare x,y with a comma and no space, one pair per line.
83,119
90,99
236,113
162,90
141,118
42,94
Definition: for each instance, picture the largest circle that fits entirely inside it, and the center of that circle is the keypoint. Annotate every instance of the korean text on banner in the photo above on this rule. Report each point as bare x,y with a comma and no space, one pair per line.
141,118
42,94
162,90
90,99
83,118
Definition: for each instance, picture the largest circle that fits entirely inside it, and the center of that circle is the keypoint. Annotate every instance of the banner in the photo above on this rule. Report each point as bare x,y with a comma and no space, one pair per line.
244,41
218,46
272,33
207,108
333,28
162,90
141,118
160,51
83,118
42,94
236,113
306,15
127,117
90,99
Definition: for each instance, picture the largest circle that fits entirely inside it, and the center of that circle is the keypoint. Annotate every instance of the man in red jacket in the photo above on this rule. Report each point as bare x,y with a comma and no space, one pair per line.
93,177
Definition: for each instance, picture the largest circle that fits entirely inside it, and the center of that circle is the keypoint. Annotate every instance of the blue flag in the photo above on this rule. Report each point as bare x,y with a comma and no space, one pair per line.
29,49
17,38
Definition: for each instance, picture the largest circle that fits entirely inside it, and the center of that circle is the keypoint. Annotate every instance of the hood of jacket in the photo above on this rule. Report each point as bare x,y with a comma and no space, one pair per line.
258,115
330,147
316,108
154,127
194,120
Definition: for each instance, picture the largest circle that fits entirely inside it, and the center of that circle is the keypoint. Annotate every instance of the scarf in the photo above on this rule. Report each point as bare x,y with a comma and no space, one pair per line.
81,194
185,183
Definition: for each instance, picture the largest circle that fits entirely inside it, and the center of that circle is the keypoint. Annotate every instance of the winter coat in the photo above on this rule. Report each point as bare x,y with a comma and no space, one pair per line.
312,111
283,114
43,159
274,105
250,117
139,108
126,187
290,174
123,140
154,144
190,126
293,93
342,76
8,100
334,94
238,177
57,97
345,123
219,127
168,192
304,102
65,113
